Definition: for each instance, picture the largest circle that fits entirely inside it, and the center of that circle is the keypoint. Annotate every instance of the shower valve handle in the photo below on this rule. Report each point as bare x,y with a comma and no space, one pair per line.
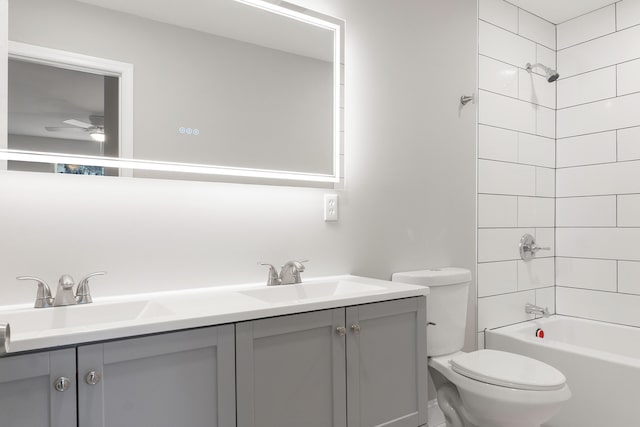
529,247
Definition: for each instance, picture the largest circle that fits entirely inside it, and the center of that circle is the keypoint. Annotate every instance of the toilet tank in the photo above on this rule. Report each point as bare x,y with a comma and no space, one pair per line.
446,306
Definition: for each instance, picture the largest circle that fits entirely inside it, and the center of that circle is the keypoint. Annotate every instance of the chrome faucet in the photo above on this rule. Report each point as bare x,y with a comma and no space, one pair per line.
289,273
64,294
538,311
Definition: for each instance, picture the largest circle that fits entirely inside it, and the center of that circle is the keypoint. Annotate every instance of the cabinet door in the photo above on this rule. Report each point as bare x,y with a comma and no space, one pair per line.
387,364
291,371
184,379
27,390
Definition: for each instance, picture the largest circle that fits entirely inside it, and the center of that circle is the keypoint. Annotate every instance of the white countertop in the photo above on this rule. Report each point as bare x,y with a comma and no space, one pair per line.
141,314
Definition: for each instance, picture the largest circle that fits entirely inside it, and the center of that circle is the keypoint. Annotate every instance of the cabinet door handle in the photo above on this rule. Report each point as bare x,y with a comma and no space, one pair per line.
341,330
355,328
93,378
62,384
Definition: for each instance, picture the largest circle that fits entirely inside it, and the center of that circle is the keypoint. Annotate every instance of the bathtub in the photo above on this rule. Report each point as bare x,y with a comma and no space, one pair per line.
600,360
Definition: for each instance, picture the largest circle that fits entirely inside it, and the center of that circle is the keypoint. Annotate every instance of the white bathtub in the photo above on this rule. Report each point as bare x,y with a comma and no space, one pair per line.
600,360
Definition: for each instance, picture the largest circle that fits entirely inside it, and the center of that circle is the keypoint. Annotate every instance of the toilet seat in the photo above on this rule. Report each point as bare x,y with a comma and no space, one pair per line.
510,370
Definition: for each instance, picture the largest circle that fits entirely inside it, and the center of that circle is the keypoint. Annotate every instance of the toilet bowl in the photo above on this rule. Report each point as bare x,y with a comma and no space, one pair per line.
484,388
497,389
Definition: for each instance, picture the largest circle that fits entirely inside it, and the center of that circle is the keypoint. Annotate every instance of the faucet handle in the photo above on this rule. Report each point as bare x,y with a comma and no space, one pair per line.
273,278
298,264
290,272
83,293
43,296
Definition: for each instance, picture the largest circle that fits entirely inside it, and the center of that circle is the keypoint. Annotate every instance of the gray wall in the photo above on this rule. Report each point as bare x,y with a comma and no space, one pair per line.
253,106
408,200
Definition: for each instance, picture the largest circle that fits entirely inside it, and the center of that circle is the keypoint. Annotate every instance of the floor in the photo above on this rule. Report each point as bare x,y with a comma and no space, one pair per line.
436,418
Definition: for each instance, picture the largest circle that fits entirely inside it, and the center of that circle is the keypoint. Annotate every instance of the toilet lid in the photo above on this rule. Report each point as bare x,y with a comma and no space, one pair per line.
508,370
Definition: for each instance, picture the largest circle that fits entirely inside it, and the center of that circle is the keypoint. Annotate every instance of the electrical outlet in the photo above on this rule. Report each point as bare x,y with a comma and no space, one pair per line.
330,207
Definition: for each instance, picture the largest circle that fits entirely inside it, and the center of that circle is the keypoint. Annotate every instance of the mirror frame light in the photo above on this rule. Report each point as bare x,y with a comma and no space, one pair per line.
124,71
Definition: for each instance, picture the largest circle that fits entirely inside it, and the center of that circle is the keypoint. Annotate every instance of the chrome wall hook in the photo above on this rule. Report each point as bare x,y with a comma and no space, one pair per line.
465,99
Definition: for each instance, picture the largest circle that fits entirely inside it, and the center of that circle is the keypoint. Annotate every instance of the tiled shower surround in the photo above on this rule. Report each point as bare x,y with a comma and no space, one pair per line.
516,163
560,161
598,161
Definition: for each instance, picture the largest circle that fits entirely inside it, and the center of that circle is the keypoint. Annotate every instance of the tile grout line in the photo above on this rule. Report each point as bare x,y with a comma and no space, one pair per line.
515,34
595,101
555,192
597,38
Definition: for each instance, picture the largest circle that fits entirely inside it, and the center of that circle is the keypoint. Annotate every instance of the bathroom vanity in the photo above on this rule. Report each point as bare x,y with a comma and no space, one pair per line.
342,351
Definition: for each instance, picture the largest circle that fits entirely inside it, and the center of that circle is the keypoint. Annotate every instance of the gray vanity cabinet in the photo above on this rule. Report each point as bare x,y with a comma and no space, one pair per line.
363,366
28,396
387,364
184,379
291,371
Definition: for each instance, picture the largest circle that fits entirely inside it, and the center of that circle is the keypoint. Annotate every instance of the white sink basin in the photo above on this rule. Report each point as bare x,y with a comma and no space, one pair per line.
309,291
45,319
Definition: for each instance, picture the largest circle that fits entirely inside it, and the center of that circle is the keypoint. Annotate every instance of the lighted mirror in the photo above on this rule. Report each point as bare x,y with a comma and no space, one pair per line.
146,88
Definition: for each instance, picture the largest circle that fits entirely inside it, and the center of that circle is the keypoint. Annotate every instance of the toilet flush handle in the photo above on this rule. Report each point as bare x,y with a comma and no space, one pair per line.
431,324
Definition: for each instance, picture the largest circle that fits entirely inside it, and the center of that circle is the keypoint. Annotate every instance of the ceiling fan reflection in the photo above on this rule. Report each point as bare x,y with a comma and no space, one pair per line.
95,128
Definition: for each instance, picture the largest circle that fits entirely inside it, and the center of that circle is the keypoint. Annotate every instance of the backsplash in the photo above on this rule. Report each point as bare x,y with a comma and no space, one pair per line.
516,163
598,177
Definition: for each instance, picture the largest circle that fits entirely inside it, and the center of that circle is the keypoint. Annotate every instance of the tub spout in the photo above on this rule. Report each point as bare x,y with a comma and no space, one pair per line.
538,311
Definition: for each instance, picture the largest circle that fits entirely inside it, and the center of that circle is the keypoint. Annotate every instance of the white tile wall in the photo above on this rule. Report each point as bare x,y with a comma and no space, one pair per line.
629,144
505,46
509,113
546,122
629,77
506,178
610,178
536,212
537,273
605,306
628,274
504,309
602,243
537,29
536,150
600,116
546,56
587,27
595,274
629,211
546,297
586,211
499,77
587,149
516,167
545,182
500,13
496,278
497,144
495,244
628,13
602,52
588,87
597,210
497,211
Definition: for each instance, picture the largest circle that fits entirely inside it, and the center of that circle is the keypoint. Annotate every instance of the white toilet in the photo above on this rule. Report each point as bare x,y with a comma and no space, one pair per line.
484,388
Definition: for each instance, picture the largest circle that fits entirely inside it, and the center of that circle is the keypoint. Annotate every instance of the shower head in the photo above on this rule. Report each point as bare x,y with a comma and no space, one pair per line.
552,75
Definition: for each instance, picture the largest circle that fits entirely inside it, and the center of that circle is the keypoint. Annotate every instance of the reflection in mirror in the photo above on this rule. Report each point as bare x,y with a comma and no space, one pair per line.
56,110
223,85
